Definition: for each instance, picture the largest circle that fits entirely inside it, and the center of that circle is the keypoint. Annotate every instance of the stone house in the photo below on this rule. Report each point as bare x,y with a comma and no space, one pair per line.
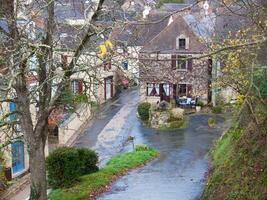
172,63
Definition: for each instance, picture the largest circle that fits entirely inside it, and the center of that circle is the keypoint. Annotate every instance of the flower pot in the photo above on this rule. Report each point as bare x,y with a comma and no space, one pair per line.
198,108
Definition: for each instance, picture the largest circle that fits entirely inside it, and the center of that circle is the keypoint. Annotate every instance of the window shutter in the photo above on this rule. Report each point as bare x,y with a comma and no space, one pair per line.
64,60
187,43
190,64
80,87
174,61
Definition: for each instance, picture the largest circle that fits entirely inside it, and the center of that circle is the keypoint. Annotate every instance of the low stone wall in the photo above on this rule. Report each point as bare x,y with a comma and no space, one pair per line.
167,119
157,119
69,130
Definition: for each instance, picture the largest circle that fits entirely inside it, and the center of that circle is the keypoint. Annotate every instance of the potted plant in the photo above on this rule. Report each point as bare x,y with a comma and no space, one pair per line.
199,105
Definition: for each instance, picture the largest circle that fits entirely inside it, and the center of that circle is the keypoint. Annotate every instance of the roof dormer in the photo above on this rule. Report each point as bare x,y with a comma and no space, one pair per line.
182,42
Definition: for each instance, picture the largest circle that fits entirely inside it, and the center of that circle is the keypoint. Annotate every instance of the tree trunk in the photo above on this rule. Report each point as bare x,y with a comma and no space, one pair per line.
38,172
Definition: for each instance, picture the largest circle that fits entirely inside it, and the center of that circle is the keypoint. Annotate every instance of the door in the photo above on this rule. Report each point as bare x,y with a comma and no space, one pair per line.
18,164
108,88
12,108
164,90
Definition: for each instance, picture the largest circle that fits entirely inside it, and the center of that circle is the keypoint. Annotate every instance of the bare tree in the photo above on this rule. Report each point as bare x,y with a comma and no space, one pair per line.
17,50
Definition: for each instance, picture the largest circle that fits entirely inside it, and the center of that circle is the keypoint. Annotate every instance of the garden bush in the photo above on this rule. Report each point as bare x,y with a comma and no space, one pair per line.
142,147
211,122
143,110
88,159
3,181
200,103
66,164
217,109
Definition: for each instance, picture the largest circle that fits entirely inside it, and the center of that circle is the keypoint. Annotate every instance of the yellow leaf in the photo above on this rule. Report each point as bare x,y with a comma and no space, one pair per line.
102,51
108,44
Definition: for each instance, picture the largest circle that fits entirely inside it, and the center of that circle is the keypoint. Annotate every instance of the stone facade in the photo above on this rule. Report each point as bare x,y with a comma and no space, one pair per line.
160,71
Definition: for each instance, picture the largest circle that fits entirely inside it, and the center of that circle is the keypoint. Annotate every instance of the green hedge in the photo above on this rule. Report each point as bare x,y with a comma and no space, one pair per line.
143,110
66,164
3,180
98,182
217,109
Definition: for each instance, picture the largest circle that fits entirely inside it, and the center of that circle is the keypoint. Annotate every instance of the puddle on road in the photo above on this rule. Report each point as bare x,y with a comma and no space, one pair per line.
179,172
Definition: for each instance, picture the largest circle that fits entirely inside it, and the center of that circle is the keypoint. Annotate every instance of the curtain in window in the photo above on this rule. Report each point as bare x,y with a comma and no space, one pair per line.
166,89
152,89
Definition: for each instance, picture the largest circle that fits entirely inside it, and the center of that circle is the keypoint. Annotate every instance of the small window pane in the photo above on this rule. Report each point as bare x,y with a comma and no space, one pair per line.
181,43
182,89
181,62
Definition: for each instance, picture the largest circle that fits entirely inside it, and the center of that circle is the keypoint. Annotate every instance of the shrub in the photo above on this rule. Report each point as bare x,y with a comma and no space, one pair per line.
66,164
163,105
88,160
3,181
211,122
200,103
142,147
143,110
177,113
217,109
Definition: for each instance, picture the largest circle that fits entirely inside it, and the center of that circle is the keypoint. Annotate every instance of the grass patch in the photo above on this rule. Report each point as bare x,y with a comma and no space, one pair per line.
161,2
239,166
174,125
96,183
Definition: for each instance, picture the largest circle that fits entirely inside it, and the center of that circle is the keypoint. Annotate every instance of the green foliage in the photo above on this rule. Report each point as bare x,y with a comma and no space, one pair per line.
211,122
66,98
200,103
3,180
217,109
161,2
143,110
98,181
88,160
238,160
66,164
174,124
260,83
142,147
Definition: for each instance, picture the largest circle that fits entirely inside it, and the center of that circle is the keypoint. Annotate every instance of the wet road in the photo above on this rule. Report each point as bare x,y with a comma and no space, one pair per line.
179,172
103,116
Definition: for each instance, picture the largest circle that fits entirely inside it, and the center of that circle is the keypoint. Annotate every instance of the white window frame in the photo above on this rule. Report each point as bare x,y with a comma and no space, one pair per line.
182,36
177,63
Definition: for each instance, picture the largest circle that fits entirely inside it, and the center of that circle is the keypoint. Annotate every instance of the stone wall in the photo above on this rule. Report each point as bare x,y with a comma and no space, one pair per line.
157,119
157,68
70,128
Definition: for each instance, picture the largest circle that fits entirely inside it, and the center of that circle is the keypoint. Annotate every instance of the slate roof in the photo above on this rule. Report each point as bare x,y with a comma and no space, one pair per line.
139,33
70,37
227,21
203,27
165,41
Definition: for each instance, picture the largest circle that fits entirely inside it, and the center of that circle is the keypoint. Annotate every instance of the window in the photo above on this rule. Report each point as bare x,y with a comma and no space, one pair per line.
166,89
152,89
182,43
76,86
125,65
182,62
182,90
18,164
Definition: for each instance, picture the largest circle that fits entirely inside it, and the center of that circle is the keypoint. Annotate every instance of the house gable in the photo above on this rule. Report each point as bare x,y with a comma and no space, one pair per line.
166,40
